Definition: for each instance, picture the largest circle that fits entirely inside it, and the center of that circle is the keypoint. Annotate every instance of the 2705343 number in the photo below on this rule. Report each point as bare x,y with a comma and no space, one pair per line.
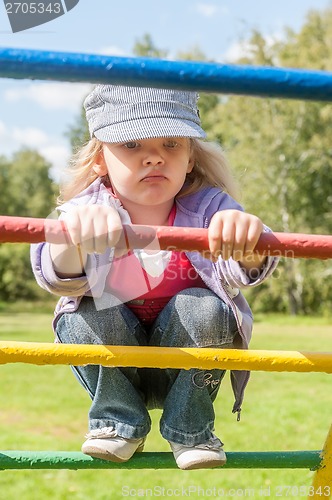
302,491
32,8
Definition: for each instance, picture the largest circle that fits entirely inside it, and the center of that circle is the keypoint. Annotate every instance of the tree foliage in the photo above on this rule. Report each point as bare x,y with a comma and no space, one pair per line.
282,154
78,133
145,47
27,191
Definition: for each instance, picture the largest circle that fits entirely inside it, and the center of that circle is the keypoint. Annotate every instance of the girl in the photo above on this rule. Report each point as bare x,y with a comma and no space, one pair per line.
146,163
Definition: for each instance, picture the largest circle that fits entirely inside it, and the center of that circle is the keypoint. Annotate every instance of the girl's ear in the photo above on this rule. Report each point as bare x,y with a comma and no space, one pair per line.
191,164
100,166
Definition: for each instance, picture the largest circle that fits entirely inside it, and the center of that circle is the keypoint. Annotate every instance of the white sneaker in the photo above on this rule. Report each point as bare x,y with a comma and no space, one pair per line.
201,456
106,444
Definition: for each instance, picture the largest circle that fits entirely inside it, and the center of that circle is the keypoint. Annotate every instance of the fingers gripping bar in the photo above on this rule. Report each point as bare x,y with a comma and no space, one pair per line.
292,245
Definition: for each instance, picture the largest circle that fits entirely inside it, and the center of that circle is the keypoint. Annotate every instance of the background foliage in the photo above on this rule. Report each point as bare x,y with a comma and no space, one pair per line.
26,190
280,151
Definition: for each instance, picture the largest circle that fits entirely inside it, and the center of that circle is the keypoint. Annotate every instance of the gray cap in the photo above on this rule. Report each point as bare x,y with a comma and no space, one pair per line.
117,114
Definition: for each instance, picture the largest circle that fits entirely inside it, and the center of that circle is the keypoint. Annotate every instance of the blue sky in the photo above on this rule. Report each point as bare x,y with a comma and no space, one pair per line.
37,114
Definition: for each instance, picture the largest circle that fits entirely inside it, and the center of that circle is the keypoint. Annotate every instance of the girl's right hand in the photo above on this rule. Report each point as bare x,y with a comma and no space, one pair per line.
91,229
94,227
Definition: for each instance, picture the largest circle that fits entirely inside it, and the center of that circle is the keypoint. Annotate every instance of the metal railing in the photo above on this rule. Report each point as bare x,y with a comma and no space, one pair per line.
209,77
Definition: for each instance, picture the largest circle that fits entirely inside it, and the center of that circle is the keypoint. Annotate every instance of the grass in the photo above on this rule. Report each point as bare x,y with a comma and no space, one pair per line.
44,408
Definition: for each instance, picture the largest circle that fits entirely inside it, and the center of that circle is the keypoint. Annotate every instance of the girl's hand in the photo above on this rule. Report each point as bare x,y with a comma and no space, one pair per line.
93,227
235,234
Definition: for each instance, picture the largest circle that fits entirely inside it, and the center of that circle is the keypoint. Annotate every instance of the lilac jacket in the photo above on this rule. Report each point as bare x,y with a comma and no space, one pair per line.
225,278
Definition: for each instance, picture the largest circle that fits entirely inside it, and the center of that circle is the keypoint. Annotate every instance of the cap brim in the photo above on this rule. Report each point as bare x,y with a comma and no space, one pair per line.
148,129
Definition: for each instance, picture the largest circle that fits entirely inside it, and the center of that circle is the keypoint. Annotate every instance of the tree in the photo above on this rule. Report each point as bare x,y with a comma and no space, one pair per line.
78,134
283,158
145,47
28,191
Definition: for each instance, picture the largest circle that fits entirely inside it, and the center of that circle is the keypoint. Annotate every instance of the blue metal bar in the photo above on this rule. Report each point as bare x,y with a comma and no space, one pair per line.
202,76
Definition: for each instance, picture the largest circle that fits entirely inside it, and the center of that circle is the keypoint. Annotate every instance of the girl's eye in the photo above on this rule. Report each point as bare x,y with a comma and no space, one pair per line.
171,144
131,145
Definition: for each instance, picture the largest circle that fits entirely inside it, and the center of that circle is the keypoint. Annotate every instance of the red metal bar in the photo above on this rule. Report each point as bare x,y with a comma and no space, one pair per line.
292,245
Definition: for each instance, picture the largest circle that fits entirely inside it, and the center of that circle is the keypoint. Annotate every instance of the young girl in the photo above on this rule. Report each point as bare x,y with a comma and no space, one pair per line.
146,163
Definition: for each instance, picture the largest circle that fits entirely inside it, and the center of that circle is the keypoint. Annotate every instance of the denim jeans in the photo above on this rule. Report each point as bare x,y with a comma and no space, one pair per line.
121,397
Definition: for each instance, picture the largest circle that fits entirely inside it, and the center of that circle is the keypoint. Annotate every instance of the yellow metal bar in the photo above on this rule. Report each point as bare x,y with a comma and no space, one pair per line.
164,357
322,483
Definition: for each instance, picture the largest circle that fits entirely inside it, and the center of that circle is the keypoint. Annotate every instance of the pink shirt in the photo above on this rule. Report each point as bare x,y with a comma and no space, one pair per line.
147,295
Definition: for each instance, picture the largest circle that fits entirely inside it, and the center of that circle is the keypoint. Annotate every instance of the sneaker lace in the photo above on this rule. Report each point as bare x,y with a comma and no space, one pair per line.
213,443
103,432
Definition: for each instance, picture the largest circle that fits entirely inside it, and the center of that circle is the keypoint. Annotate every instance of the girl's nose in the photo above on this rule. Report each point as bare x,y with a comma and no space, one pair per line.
153,158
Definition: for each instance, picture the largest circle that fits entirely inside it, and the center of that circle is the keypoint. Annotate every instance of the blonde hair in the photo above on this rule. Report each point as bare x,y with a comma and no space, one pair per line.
210,169
79,174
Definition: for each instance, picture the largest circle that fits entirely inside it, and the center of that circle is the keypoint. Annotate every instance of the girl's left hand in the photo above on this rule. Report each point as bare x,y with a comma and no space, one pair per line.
235,234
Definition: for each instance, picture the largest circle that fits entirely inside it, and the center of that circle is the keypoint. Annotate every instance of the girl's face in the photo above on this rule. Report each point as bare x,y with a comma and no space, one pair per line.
148,172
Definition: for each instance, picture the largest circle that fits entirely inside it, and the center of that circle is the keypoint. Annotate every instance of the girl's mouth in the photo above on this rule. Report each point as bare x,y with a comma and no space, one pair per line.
154,178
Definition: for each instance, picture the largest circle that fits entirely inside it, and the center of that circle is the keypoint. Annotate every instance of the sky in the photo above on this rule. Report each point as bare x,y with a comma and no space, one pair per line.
38,114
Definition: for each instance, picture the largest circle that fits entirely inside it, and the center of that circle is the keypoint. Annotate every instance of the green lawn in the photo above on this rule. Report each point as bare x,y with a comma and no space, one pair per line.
44,408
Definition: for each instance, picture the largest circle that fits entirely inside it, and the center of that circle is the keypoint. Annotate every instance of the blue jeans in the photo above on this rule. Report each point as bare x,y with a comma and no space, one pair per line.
121,397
